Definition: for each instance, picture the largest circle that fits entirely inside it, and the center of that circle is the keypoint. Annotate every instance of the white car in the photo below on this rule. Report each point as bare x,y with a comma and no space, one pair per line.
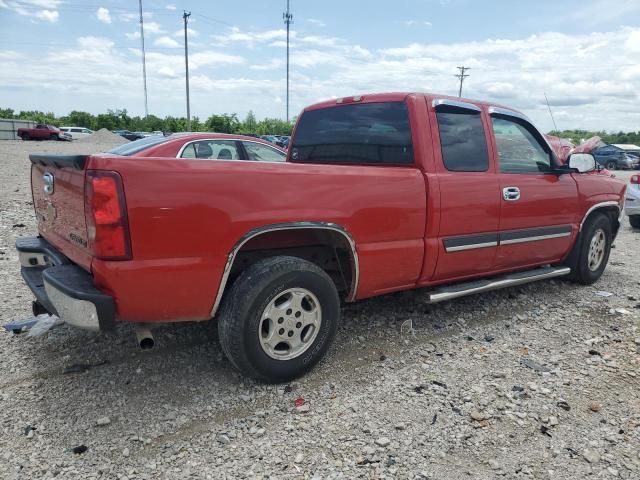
77,132
632,201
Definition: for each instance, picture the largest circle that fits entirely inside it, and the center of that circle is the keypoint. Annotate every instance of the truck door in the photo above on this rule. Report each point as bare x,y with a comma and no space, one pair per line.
469,207
539,205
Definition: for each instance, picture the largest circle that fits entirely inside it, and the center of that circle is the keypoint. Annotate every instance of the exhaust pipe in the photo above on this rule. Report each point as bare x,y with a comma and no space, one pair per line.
38,309
144,336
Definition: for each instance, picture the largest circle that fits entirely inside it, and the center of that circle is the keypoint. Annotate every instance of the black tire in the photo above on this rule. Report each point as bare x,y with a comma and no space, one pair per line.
239,321
634,220
25,137
579,258
54,137
612,165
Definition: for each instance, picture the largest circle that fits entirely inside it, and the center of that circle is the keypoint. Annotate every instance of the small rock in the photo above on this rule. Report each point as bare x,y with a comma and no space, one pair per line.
383,442
125,452
553,421
591,455
102,421
303,408
494,464
478,416
594,406
299,458
224,439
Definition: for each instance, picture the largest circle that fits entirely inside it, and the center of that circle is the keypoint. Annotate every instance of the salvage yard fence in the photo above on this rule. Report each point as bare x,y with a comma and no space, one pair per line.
9,127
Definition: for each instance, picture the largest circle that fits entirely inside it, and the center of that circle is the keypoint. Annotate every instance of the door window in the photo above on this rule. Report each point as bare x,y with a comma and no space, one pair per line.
519,151
263,153
212,150
462,140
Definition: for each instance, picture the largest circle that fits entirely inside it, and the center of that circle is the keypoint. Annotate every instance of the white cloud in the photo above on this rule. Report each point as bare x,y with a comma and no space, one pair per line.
153,27
48,15
316,22
191,31
128,17
166,42
170,7
103,15
235,35
410,23
132,35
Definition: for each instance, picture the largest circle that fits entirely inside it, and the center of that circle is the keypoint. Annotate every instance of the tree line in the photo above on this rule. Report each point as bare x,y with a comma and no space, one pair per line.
576,136
121,120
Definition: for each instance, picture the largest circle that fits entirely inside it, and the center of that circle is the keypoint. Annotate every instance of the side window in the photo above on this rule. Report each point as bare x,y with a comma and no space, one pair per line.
41,126
462,139
212,150
262,153
518,150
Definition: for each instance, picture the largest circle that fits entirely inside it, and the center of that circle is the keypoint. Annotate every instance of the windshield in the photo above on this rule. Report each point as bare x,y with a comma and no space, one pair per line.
137,146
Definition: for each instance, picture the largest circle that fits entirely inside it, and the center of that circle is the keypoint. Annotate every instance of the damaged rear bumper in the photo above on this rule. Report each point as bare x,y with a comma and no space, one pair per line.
63,288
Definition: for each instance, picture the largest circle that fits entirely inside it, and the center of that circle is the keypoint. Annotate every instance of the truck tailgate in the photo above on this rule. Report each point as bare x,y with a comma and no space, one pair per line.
57,184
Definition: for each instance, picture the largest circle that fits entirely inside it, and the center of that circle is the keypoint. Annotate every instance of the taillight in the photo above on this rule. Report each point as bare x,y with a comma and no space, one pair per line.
635,179
106,216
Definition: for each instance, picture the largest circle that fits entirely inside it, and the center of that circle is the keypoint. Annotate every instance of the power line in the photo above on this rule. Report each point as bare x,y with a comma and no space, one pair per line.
144,62
555,127
185,17
462,76
288,20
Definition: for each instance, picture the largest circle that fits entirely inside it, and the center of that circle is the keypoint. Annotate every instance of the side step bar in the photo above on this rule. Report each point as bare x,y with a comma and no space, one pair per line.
509,280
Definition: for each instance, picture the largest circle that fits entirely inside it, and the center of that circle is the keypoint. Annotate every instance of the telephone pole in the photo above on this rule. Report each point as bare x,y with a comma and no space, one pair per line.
288,20
185,17
462,76
144,61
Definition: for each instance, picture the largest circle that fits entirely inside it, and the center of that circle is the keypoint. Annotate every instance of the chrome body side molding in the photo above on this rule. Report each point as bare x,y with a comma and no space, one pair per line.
290,226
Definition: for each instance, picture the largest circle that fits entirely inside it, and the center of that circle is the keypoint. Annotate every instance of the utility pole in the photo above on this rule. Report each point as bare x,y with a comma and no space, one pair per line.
185,17
462,76
550,112
144,62
288,20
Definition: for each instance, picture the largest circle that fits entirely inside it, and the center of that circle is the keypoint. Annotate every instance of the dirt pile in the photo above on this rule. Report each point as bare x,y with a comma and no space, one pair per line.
103,136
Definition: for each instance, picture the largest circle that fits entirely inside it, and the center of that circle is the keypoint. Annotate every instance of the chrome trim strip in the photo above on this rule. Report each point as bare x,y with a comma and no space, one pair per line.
454,103
534,238
471,246
290,226
513,280
509,113
179,154
609,203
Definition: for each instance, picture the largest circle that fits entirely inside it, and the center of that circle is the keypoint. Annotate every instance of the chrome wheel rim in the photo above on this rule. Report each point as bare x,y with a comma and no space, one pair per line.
290,324
596,250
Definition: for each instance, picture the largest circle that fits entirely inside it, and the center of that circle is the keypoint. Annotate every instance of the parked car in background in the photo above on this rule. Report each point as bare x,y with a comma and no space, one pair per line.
128,135
77,132
206,146
614,158
379,193
632,201
42,131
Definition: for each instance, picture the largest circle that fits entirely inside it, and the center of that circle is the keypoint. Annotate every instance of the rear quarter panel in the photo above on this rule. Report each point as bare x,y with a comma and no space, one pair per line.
185,217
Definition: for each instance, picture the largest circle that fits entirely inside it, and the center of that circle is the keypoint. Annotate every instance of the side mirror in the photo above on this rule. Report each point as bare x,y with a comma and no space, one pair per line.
583,162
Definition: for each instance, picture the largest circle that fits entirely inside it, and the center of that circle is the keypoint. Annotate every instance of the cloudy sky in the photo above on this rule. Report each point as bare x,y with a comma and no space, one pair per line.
59,55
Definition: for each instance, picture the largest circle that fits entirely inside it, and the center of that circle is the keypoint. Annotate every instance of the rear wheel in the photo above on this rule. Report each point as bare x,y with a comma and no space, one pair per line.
591,252
611,165
634,220
279,318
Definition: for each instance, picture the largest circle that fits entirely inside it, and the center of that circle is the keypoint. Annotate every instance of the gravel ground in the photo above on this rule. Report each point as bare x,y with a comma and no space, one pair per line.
539,381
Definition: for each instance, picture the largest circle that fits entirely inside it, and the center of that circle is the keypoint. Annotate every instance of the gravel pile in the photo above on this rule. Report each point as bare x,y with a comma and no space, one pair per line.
538,382
103,136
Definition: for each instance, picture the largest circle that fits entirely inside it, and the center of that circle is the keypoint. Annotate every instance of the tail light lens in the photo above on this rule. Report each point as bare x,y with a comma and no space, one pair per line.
106,216
635,179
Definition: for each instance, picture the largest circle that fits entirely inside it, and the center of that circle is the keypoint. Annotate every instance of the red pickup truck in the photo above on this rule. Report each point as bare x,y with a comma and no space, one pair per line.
379,193
40,132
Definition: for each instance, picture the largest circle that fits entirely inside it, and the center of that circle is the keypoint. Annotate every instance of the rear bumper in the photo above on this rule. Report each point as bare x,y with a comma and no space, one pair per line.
62,287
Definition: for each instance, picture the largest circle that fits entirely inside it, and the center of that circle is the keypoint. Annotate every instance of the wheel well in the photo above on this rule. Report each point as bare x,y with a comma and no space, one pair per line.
329,249
611,212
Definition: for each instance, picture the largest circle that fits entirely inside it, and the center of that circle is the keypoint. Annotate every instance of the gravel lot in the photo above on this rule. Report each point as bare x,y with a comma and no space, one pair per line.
540,381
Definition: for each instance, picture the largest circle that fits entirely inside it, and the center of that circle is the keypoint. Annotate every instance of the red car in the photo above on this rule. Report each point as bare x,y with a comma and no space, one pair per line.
379,193
211,146
41,132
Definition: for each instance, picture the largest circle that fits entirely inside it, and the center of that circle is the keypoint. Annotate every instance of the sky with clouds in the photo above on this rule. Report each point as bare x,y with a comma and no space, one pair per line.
63,55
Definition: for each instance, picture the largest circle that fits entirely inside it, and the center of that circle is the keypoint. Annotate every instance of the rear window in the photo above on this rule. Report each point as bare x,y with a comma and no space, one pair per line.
368,133
131,148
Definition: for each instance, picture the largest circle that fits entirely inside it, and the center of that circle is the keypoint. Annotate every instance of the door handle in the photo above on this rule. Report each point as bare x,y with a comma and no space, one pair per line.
511,194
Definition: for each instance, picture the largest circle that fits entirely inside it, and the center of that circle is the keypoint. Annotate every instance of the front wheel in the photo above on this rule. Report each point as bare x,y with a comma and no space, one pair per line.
54,137
279,318
25,137
634,220
591,252
611,165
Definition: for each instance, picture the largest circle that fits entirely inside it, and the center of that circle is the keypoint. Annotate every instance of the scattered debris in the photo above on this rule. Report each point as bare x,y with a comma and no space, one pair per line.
83,367
563,405
527,362
80,449
602,293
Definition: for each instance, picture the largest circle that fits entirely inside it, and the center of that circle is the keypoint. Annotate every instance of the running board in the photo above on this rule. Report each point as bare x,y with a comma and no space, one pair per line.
509,280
